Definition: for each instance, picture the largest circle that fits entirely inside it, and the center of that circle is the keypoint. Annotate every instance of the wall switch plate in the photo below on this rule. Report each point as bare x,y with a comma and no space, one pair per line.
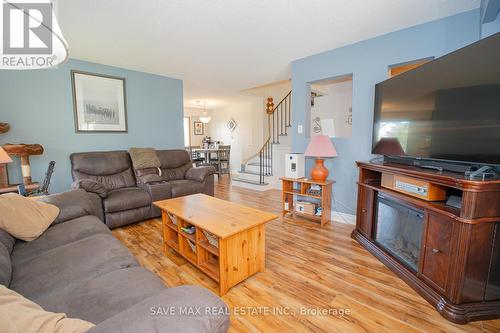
299,129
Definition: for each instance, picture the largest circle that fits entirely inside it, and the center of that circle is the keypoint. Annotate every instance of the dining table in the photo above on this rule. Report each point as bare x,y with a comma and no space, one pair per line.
206,153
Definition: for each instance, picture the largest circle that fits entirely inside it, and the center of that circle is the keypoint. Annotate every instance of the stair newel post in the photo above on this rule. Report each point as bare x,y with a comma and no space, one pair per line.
269,112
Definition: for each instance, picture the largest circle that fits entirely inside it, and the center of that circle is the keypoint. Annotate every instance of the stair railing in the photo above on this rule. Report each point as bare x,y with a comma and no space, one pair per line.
279,120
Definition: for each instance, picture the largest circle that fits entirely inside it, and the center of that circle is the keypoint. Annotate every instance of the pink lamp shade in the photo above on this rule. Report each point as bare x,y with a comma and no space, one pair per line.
388,147
4,157
321,146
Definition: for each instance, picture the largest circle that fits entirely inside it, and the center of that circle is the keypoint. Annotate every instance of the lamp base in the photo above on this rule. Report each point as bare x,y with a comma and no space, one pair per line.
319,173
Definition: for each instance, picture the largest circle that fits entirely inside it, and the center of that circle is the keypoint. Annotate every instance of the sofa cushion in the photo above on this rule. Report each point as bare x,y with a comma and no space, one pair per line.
59,269
148,315
113,169
125,199
24,218
6,246
159,191
173,158
58,235
18,314
143,158
7,240
185,187
174,163
5,266
106,295
118,219
175,173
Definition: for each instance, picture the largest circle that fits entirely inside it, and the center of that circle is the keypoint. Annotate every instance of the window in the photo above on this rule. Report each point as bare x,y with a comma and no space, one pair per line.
187,133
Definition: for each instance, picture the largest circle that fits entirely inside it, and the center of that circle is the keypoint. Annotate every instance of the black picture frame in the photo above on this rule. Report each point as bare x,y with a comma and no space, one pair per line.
99,112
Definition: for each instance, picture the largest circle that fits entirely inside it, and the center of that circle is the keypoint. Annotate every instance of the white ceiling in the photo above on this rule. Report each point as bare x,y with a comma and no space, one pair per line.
223,46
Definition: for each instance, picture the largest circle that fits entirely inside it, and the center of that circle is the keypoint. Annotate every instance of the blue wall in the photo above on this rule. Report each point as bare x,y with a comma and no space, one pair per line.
38,105
368,61
490,17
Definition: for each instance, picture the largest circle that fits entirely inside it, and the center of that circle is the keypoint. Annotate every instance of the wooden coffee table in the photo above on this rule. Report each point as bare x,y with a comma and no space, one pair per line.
229,242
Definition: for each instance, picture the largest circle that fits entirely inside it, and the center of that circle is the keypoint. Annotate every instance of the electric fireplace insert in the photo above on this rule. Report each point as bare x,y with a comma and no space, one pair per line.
398,230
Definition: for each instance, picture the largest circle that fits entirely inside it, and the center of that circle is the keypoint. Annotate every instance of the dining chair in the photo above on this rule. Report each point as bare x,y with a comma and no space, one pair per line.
221,163
195,156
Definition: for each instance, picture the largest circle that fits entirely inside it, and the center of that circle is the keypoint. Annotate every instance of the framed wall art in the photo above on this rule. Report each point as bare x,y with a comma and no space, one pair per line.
99,102
231,125
198,128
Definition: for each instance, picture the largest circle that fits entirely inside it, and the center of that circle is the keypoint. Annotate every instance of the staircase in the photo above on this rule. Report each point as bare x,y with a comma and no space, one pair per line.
256,169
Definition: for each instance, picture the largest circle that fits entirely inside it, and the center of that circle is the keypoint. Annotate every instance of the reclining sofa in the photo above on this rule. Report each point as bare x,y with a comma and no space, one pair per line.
77,267
127,193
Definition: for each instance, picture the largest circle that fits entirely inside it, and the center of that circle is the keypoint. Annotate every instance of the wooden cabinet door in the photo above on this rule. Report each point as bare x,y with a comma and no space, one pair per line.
365,211
437,246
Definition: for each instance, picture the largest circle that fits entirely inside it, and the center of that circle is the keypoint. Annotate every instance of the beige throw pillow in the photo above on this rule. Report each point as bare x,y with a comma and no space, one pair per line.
19,314
143,158
25,218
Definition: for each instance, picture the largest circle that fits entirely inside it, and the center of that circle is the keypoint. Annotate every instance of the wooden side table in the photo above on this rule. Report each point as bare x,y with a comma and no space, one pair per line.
300,188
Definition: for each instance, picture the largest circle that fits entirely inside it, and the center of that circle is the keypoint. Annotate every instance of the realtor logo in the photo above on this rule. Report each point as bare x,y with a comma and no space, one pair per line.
27,28
31,37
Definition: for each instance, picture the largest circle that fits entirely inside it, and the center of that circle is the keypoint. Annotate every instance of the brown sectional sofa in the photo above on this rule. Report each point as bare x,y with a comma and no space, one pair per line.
127,194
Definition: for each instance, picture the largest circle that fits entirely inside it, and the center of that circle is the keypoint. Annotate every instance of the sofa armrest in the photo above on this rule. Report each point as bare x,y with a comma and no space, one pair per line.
200,173
90,185
74,204
180,309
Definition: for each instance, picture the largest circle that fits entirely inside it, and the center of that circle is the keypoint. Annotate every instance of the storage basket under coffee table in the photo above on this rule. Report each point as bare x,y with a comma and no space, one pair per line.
229,242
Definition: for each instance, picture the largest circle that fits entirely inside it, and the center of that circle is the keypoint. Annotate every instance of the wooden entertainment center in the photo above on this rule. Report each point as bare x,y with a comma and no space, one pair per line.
449,255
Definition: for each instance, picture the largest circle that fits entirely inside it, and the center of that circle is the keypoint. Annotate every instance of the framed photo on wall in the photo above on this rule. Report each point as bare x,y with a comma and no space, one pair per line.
198,128
99,102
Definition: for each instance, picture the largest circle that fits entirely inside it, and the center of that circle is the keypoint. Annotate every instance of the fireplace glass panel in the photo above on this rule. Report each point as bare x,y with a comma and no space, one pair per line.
399,231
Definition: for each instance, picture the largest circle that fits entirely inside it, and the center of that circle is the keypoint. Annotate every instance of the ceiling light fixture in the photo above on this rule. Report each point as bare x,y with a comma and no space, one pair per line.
205,119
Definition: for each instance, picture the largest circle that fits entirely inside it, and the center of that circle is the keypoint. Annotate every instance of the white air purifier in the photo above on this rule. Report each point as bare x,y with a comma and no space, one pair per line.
294,165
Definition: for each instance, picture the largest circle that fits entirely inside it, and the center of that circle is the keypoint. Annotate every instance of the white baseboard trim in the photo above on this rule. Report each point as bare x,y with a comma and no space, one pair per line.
344,218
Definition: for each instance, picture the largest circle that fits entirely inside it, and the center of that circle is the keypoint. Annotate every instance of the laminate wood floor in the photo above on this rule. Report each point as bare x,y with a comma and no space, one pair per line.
312,277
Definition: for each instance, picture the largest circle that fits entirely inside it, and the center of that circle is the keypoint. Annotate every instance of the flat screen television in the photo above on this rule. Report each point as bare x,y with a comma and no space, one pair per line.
445,110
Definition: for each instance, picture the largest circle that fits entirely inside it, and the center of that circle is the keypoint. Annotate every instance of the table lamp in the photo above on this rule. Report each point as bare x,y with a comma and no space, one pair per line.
4,158
320,147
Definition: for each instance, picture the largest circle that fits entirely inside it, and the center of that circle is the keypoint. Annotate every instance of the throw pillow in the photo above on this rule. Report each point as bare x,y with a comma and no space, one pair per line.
90,185
19,314
25,218
143,158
